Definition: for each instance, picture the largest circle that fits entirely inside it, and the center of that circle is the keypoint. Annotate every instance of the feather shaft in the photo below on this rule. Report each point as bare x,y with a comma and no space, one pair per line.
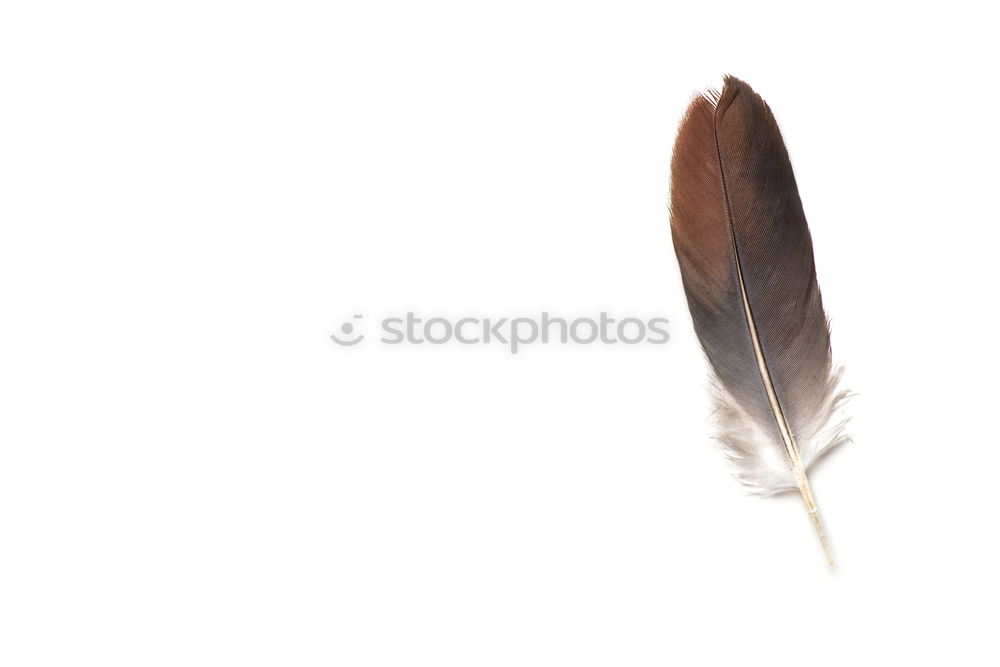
798,470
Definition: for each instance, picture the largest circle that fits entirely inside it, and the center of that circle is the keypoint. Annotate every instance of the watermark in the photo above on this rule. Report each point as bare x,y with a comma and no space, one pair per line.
348,330
514,333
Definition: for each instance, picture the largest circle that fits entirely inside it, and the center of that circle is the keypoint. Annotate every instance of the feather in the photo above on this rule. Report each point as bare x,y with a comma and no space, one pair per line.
746,262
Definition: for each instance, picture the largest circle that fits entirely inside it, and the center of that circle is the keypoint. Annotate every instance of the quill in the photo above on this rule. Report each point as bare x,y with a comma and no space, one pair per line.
746,262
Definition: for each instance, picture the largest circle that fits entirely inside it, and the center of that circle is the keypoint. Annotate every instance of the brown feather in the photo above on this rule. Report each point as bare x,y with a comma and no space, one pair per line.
746,261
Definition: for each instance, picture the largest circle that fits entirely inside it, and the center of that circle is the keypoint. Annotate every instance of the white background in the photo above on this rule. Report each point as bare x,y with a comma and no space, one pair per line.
195,195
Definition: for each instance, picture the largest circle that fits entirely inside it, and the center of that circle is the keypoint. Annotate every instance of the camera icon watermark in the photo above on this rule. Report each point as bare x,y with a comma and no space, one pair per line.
348,329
